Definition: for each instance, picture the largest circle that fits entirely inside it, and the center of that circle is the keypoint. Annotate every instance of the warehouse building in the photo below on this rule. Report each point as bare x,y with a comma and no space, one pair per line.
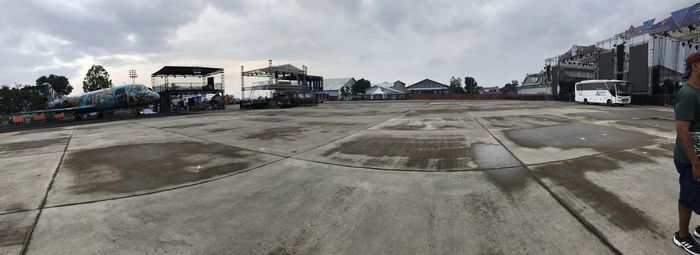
333,88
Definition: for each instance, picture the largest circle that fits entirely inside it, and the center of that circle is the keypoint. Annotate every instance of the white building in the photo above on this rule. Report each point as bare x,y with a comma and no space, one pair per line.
332,87
385,91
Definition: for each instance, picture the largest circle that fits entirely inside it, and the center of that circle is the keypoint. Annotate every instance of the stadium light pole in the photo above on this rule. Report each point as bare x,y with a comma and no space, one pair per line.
132,75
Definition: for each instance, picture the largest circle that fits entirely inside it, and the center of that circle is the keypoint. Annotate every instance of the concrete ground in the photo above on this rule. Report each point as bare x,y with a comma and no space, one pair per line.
402,177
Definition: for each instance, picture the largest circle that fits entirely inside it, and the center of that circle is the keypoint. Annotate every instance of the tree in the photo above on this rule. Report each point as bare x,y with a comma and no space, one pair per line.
59,83
470,85
344,93
510,88
20,99
96,78
455,86
361,86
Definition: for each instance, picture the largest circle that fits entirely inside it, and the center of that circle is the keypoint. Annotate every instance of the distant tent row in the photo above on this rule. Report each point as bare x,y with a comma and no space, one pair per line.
334,88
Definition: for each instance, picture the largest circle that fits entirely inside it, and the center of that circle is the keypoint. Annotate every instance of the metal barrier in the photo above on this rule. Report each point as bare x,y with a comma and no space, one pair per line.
188,86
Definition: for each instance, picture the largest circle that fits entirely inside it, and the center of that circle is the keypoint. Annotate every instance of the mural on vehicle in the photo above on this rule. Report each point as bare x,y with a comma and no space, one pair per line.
124,96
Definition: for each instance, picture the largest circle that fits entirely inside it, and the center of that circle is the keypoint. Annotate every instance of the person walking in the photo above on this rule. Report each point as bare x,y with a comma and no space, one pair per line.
685,154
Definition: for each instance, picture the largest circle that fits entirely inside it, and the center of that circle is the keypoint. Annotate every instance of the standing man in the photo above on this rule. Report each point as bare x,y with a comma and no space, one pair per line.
685,154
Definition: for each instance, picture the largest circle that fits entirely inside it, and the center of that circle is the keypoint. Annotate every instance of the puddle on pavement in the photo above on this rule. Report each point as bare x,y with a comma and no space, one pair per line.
488,156
28,145
269,119
525,121
219,130
570,175
13,207
420,112
429,124
13,230
185,126
405,125
510,181
327,124
653,123
579,135
140,167
277,133
432,153
39,131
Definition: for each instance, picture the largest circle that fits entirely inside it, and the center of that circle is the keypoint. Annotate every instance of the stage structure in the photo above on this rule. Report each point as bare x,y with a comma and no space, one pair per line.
647,55
561,72
280,87
176,83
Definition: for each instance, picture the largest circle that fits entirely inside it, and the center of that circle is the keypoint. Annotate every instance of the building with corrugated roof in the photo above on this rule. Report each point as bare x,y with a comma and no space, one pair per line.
490,90
427,86
332,88
384,91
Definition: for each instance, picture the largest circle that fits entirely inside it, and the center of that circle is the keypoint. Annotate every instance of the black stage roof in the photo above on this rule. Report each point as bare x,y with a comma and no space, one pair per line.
187,70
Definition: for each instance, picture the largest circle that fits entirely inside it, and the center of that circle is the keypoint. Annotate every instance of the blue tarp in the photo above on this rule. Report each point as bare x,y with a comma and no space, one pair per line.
692,17
663,26
680,18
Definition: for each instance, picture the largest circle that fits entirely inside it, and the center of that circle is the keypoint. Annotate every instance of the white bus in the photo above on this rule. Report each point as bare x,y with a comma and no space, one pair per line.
603,92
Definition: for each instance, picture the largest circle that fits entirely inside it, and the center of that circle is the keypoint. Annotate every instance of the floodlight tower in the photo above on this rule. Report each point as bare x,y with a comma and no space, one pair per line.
132,75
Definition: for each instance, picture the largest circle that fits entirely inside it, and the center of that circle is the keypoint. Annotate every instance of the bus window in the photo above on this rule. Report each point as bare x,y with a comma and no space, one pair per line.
611,89
623,88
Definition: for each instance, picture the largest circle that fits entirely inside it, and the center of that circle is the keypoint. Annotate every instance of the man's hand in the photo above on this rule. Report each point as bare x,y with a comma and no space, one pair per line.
696,172
683,130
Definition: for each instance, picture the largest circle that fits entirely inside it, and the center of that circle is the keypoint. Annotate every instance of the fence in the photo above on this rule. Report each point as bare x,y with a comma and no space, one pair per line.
657,99
478,97
187,86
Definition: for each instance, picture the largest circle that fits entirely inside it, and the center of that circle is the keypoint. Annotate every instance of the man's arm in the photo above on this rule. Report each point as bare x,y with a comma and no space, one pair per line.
683,130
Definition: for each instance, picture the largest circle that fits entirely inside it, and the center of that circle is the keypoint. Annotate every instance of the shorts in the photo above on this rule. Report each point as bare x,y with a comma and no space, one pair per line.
689,195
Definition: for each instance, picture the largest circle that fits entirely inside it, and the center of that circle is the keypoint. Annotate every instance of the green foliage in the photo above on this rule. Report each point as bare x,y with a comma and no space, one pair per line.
96,78
59,83
345,92
510,88
456,86
470,85
20,99
360,86
515,83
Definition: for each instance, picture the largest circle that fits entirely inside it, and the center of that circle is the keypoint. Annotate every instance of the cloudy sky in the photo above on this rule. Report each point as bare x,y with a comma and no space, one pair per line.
494,41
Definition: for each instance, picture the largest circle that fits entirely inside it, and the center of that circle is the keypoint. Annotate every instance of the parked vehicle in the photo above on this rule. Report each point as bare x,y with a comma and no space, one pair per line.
609,92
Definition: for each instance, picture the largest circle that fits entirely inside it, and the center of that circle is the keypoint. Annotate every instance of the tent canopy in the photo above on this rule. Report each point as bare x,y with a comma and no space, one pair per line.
188,70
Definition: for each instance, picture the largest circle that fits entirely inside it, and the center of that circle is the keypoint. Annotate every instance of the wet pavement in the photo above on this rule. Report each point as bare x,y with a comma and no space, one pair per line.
402,177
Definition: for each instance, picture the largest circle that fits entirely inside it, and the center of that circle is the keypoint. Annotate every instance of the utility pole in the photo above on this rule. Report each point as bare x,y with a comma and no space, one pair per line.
304,83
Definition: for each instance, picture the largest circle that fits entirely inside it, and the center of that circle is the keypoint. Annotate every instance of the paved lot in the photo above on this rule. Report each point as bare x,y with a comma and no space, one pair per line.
403,177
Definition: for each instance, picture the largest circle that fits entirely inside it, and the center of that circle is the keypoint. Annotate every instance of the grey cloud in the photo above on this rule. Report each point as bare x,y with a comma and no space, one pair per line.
495,41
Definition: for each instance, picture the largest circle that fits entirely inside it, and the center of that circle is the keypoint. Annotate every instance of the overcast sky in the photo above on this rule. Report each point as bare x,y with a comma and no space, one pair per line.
494,41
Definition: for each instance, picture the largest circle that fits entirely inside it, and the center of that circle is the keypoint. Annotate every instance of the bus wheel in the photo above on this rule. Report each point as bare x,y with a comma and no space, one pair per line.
77,117
585,101
609,102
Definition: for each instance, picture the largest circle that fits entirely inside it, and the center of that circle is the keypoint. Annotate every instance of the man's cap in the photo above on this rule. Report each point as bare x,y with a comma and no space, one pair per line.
692,59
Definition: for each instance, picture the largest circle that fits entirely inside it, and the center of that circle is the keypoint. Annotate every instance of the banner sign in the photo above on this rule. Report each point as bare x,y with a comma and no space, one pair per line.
663,26
628,32
640,30
648,24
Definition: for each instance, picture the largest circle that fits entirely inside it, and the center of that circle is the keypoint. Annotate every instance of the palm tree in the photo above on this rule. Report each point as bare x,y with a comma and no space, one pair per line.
344,93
